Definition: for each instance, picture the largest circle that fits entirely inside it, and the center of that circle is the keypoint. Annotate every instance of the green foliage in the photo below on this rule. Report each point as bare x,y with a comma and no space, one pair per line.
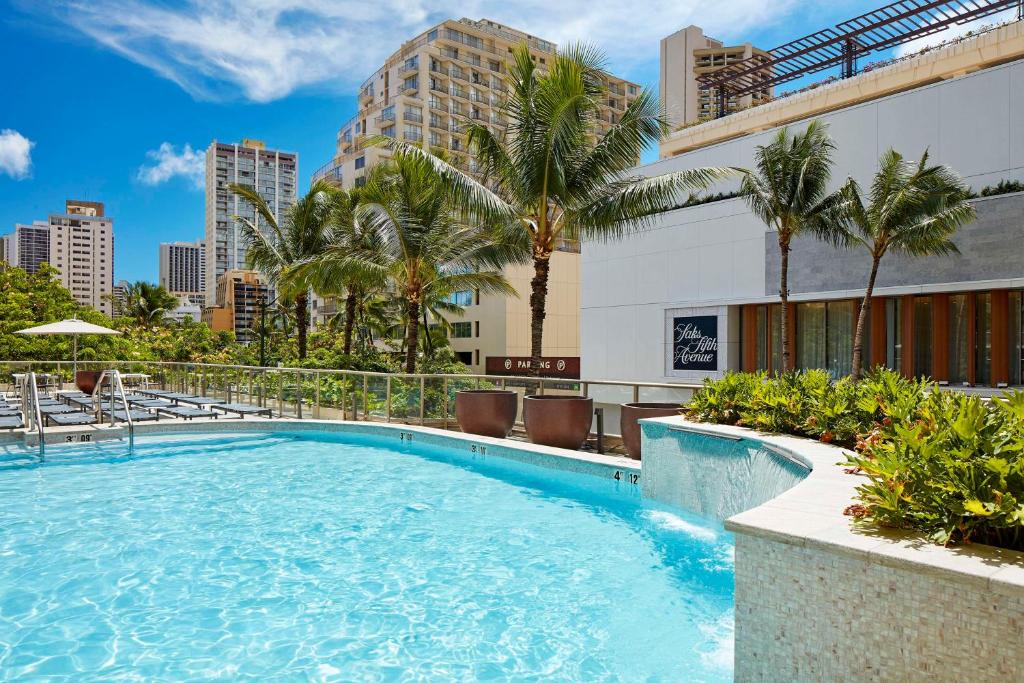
1002,187
941,462
147,303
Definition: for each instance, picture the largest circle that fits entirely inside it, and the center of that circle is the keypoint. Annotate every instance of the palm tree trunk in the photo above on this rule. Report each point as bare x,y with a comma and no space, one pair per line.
302,322
350,321
426,332
865,307
412,329
538,303
784,298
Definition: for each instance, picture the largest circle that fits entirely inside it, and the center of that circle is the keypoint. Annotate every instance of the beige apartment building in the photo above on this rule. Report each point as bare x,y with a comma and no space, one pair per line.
271,172
688,54
82,251
183,270
451,74
497,327
239,294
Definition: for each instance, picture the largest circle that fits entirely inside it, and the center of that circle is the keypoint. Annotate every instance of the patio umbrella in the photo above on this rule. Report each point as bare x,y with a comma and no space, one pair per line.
72,326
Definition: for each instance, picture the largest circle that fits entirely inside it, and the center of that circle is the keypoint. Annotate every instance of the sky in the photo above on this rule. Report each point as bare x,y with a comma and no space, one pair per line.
117,100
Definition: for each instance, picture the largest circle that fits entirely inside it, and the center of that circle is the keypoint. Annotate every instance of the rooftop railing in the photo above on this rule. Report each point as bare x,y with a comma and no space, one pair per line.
423,399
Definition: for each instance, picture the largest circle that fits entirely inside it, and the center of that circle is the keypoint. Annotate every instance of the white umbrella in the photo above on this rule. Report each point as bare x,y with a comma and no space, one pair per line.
72,326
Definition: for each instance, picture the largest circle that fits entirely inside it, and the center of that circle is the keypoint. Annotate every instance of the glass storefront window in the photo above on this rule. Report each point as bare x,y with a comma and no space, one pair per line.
810,336
959,350
983,338
775,318
894,334
762,338
922,336
1016,345
840,319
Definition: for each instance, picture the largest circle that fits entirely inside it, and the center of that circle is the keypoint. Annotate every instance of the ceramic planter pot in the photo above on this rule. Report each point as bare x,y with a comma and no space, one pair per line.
487,412
630,429
559,421
86,380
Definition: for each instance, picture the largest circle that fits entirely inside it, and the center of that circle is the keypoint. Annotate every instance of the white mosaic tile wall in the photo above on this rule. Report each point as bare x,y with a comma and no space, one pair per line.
805,613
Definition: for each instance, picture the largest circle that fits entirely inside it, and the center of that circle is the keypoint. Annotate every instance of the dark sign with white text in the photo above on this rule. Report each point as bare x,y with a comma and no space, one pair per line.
695,343
563,367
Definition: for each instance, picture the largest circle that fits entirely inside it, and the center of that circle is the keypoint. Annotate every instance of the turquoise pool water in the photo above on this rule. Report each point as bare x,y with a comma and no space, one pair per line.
302,557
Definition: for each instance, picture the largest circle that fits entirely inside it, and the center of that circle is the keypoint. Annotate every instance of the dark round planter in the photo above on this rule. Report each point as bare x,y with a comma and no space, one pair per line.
86,380
629,413
487,412
559,421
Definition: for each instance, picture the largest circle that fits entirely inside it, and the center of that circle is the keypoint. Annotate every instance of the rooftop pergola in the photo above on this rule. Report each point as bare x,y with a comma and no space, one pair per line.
883,28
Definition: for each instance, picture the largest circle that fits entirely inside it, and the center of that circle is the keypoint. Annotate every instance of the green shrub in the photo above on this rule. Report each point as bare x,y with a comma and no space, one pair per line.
941,462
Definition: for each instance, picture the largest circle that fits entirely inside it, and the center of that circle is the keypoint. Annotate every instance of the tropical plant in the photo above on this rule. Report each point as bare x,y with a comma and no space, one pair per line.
146,302
556,176
275,249
426,240
911,209
788,190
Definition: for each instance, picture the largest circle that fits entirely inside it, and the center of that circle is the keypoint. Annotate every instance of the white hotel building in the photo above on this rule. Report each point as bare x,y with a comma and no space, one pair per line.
956,318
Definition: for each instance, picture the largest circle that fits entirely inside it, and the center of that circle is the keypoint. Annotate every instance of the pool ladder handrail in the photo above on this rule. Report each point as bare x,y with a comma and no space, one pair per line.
116,385
30,400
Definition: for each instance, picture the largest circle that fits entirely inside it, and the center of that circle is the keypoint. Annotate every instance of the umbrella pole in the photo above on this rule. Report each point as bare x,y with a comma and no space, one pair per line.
74,357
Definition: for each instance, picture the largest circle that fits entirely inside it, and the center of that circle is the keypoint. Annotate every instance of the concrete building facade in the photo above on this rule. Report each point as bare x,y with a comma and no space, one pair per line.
183,270
273,173
707,275
495,328
426,91
82,251
237,309
687,54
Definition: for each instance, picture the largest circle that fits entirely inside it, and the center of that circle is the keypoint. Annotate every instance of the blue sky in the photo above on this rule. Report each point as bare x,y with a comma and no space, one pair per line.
116,100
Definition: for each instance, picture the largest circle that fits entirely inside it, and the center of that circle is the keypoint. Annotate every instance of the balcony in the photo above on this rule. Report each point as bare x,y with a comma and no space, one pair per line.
366,93
458,92
385,118
412,136
437,123
414,116
407,68
456,73
410,86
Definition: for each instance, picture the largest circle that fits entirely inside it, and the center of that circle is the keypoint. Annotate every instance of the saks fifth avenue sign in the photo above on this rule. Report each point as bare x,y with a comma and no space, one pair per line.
695,343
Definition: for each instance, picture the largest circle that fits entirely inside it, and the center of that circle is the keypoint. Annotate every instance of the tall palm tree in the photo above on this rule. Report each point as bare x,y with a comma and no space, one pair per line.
912,209
788,190
556,177
275,250
426,240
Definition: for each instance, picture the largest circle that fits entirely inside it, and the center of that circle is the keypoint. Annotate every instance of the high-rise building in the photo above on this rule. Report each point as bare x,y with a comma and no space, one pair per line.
687,54
271,172
82,251
119,297
27,247
183,270
237,304
425,92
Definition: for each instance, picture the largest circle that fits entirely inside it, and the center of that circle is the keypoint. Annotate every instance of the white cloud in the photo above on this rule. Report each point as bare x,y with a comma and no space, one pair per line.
954,31
264,49
165,164
15,154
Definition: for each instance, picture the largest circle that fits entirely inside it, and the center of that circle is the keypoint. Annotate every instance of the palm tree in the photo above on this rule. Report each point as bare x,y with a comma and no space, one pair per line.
423,237
789,192
276,249
555,176
147,302
913,209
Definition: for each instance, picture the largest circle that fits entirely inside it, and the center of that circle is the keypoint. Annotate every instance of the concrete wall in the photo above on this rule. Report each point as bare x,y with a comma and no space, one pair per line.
715,254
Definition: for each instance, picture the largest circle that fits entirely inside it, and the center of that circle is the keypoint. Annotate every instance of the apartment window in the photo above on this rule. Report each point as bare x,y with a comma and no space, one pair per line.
432,36
465,357
463,330
360,162
462,298
476,328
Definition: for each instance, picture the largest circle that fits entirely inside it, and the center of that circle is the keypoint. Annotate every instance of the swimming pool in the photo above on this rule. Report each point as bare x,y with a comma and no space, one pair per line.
345,557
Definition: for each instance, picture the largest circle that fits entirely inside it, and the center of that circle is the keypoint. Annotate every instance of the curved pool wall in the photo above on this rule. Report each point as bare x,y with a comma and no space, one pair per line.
715,474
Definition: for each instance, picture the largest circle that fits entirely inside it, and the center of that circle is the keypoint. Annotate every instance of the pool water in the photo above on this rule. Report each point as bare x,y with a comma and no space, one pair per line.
321,557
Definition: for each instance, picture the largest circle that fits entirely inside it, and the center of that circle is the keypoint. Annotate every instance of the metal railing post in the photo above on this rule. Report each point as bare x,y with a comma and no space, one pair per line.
298,394
636,393
316,410
280,394
387,399
445,402
366,395
423,400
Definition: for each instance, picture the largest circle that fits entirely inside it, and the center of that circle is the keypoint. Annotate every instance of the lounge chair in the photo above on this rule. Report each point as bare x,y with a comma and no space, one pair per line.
59,409
184,412
11,422
199,401
149,402
156,392
9,411
137,415
242,409
69,419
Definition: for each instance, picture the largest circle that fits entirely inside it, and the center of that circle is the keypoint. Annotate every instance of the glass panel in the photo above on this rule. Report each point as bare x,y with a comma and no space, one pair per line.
893,334
810,336
923,336
762,337
1016,347
958,350
839,338
775,317
983,338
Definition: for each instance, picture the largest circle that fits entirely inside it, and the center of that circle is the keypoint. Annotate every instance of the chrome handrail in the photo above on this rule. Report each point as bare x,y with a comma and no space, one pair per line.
30,394
117,386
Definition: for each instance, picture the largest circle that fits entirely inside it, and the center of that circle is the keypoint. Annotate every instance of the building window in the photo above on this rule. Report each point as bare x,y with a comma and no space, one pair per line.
462,298
476,328
894,334
958,339
462,330
465,357
923,336
983,338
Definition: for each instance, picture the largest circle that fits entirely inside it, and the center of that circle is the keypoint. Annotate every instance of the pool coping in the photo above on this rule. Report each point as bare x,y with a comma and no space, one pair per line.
810,514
